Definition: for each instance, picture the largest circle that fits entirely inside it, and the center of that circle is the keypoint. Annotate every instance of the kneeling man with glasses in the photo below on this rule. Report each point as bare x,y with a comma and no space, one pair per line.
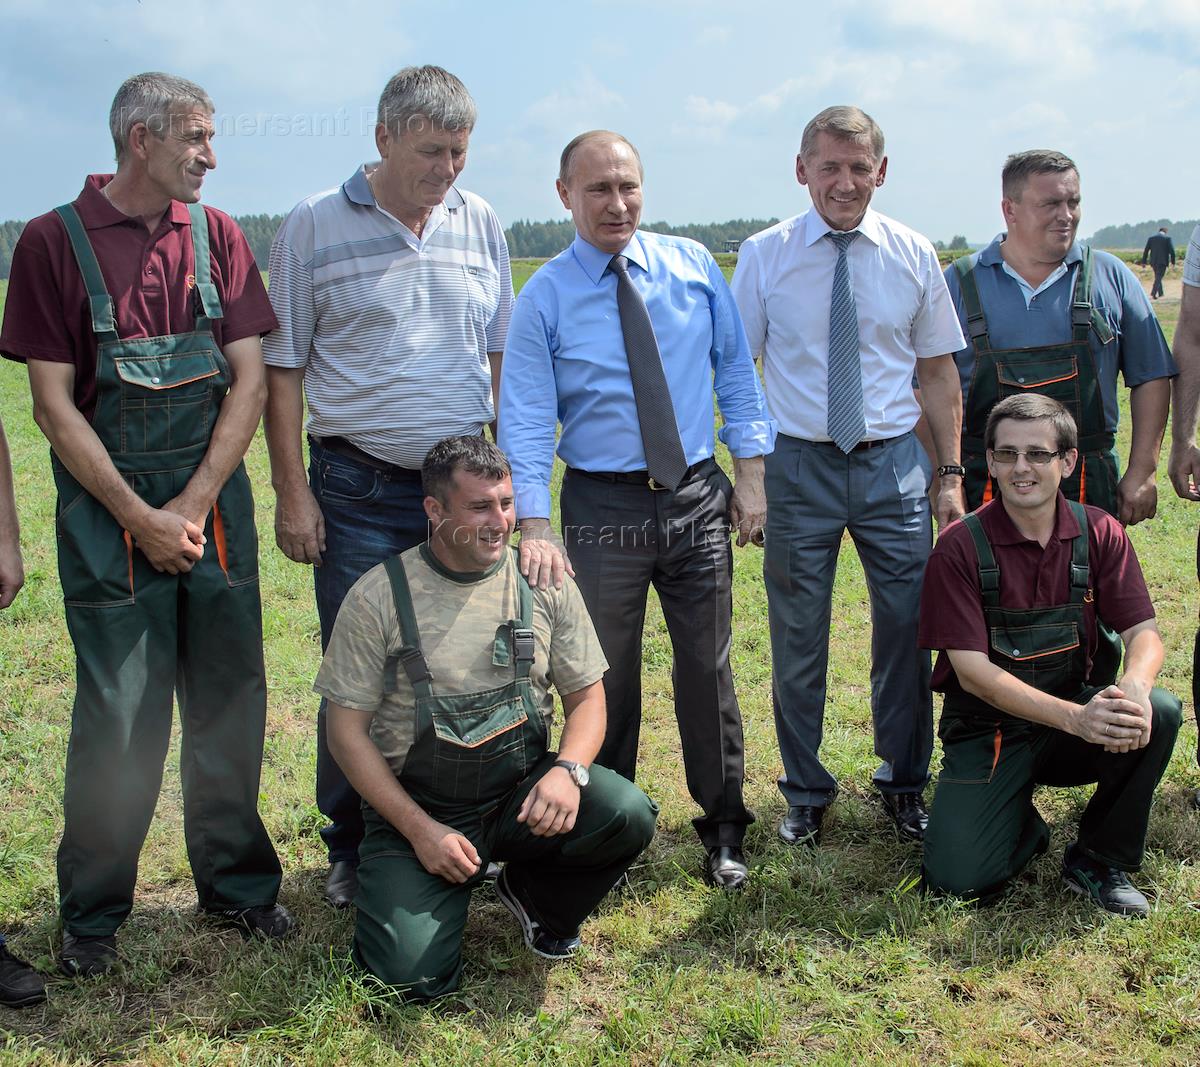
1011,601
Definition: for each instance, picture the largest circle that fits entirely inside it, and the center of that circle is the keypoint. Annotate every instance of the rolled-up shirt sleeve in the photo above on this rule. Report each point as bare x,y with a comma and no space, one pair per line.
749,429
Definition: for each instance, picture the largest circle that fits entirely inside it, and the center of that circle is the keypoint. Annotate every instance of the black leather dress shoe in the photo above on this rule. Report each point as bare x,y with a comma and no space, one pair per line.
802,825
908,813
341,887
725,867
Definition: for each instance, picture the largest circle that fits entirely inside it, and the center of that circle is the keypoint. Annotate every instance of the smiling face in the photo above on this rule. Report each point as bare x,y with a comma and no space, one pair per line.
603,192
1026,487
472,527
841,176
417,167
1043,220
177,162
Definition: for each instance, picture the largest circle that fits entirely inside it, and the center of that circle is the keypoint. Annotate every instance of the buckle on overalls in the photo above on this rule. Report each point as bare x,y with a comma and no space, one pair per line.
1081,313
522,640
413,662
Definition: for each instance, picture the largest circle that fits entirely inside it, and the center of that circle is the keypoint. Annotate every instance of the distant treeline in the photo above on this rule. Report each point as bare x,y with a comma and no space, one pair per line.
1134,235
538,240
525,239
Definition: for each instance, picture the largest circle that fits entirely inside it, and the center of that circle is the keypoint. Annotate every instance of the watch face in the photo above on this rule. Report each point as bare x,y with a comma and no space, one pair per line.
580,773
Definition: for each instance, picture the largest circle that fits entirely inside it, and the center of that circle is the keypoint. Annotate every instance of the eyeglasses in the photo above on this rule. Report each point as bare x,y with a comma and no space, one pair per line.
1039,457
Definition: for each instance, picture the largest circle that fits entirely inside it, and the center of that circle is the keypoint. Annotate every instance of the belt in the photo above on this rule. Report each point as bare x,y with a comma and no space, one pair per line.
641,478
339,446
862,446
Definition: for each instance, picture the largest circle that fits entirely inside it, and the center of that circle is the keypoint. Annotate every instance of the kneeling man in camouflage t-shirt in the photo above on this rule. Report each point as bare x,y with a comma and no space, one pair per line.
438,680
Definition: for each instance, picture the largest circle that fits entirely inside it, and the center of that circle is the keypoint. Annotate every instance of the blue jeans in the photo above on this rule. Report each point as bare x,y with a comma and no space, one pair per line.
369,515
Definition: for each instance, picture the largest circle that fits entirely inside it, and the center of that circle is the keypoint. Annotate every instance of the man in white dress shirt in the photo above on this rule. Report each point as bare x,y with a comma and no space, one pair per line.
843,304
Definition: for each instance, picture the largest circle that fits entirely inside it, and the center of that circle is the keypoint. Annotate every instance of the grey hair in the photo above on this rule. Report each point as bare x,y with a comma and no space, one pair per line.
428,93
847,123
152,98
1021,166
564,161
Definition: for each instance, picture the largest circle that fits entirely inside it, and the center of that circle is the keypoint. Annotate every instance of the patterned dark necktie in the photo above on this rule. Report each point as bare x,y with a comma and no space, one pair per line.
844,418
665,461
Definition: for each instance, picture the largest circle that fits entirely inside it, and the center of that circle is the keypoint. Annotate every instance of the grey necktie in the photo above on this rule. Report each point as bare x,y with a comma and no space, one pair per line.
844,418
665,461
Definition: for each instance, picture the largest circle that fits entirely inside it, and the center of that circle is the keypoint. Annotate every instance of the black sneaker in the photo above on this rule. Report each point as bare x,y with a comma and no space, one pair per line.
86,957
272,921
537,937
1106,886
20,984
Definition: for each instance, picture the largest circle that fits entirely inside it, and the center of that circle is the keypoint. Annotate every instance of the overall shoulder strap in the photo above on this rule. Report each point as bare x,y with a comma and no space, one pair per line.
976,321
412,659
989,573
1084,314
210,302
1080,568
522,628
104,323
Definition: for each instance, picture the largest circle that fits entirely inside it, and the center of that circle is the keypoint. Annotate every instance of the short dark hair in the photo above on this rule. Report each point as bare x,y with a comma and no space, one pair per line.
564,161
1028,407
475,455
1021,166
425,93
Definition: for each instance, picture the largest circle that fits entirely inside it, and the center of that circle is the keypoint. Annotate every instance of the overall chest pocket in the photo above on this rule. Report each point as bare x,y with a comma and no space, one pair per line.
483,744
169,400
1046,655
1055,376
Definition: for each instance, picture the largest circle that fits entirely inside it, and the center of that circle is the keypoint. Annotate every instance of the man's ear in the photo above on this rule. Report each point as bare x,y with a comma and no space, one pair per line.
434,511
1069,461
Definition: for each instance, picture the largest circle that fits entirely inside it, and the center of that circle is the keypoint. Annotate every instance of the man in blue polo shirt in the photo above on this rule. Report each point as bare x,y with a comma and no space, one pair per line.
393,293
623,338
1044,313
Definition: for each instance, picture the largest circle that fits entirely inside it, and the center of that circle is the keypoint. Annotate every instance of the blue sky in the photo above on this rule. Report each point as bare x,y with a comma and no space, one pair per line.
715,94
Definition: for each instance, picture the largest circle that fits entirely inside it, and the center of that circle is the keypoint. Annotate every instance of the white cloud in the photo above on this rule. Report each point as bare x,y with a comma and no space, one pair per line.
585,103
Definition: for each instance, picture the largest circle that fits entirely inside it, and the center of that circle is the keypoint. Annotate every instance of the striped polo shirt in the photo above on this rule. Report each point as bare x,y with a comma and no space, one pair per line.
393,330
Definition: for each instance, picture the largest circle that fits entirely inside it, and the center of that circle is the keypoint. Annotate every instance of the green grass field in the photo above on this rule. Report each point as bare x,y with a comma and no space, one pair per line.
828,957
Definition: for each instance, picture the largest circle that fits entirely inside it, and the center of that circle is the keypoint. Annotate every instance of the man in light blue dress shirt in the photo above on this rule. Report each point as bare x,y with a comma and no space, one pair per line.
565,362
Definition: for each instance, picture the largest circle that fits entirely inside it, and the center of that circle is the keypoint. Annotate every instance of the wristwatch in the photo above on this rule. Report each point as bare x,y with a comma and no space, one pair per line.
578,772
952,468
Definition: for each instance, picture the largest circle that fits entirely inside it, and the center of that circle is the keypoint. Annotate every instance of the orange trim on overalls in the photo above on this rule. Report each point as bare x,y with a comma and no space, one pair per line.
987,490
219,539
129,555
1082,480
996,743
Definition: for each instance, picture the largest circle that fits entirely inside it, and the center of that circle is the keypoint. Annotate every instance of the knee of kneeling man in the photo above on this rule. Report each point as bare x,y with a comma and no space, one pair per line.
956,879
1167,710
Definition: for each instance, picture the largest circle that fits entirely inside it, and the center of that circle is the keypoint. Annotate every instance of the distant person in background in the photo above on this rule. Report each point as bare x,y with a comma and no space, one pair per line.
20,984
1044,313
845,305
1184,465
138,313
393,293
1161,253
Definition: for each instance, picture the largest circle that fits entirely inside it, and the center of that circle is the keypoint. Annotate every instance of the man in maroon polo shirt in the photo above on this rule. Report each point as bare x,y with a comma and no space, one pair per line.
1011,599
139,313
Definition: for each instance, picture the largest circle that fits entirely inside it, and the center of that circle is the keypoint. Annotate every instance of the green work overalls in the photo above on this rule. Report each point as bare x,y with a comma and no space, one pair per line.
142,636
984,828
474,759
1066,372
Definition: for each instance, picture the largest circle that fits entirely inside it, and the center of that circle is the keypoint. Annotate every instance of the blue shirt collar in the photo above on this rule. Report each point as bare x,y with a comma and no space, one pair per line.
816,227
991,256
595,263
358,191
